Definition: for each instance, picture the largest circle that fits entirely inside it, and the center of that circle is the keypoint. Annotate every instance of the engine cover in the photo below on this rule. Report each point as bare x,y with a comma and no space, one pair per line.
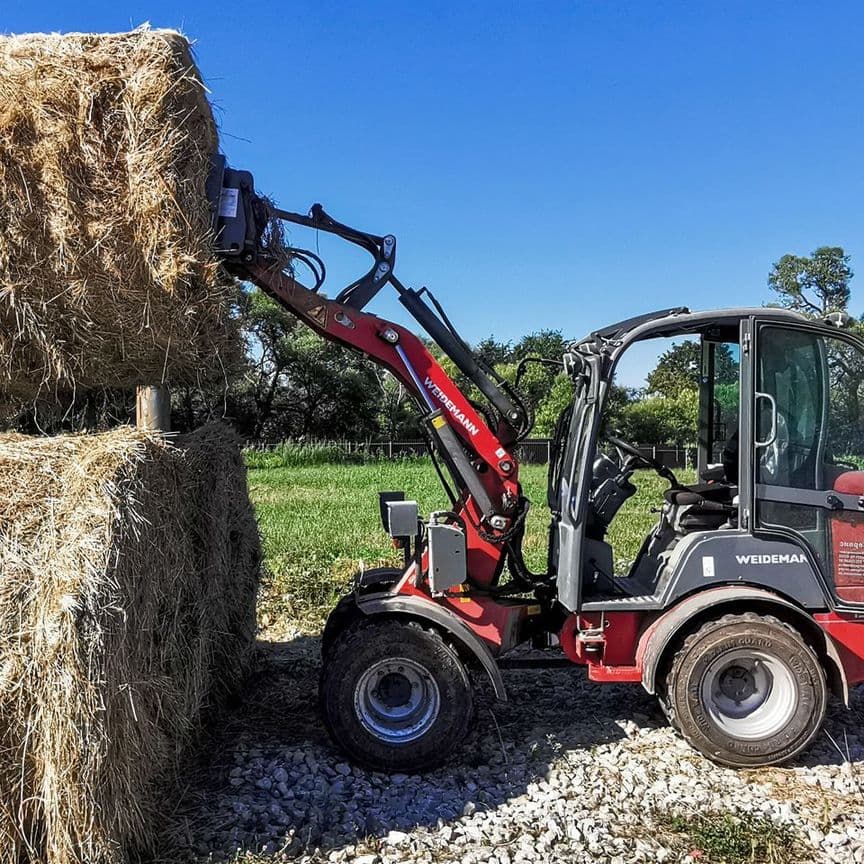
847,541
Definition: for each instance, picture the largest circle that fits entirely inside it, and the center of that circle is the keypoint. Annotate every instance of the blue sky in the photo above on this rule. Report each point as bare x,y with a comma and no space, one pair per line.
544,164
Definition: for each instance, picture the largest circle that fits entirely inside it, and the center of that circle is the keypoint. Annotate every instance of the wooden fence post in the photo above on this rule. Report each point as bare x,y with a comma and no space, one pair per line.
153,408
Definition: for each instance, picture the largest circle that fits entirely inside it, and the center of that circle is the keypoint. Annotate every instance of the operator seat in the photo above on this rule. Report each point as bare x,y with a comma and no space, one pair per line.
707,506
703,507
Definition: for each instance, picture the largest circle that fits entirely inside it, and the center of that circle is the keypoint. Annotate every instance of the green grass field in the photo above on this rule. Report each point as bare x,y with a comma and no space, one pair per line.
319,521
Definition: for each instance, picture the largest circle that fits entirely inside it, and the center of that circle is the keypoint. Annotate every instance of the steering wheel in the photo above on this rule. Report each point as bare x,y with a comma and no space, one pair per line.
630,457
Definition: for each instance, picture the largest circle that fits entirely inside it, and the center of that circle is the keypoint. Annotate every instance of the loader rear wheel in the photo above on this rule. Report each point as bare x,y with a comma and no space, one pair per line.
746,691
395,696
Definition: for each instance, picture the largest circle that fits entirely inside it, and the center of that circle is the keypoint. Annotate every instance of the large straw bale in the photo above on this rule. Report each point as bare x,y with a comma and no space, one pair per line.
128,574
107,274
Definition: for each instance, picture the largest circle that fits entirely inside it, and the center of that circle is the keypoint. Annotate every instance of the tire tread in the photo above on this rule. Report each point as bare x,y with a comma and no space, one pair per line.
345,644
673,667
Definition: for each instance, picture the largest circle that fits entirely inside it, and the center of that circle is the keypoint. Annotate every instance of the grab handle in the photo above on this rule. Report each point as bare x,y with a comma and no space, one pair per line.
773,436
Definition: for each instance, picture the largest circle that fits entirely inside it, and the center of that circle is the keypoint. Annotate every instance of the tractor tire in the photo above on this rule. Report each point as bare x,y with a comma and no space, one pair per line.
746,691
395,696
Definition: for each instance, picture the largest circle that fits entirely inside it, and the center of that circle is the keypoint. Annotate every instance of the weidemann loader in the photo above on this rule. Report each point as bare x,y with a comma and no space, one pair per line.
744,608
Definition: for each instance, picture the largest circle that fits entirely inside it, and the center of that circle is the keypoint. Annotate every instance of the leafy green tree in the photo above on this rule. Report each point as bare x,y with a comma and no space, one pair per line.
560,395
617,400
492,352
537,380
269,330
297,384
814,285
397,414
676,369
325,392
549,344
662,419
680,368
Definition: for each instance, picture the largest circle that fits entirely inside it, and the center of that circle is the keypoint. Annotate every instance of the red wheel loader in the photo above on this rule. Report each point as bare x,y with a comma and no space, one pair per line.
744,608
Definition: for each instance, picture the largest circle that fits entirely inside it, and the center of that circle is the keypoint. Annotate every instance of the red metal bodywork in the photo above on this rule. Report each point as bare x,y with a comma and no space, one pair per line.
620,656
847,541
847,633
612,657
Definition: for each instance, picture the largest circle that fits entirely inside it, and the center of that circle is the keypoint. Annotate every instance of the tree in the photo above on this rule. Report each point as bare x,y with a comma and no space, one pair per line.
560,395
537,379
677,369
268,330
617,400
680,367
662,419
492,352
544,343
815,285
397,412
299,385
325,392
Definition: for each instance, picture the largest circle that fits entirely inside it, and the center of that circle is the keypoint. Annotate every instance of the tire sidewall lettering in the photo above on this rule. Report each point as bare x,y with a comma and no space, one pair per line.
696,722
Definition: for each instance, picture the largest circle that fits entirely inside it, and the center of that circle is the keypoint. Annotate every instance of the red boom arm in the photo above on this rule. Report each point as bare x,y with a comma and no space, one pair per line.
407,358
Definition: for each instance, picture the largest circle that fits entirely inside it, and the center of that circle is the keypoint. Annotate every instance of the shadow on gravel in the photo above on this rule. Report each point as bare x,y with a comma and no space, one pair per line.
270,784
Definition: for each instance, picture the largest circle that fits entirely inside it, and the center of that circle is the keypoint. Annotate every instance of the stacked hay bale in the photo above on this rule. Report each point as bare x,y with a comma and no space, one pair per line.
128,562
107,273
129,571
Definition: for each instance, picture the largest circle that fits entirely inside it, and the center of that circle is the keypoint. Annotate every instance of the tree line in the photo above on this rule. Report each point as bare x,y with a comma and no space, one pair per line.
295,385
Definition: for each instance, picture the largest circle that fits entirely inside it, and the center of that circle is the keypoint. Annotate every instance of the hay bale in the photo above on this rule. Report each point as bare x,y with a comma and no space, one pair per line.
128,574
107,274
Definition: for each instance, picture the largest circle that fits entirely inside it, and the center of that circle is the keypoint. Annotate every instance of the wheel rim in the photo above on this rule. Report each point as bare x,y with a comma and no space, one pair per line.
397,700
749,694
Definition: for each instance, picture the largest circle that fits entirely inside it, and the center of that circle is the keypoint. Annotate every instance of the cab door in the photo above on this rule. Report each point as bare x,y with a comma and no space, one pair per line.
807,446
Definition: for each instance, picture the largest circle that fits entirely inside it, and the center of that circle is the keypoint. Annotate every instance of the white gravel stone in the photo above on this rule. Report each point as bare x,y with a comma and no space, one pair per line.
568,771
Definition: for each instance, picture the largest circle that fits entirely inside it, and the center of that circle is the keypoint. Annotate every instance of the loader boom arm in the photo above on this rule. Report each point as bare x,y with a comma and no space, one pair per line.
488,502
486,474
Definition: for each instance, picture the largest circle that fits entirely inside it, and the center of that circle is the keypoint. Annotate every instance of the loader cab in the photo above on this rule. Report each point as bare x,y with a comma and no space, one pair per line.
777,497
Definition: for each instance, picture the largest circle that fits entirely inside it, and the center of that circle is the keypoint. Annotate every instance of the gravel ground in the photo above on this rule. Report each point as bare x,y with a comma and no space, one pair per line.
566,771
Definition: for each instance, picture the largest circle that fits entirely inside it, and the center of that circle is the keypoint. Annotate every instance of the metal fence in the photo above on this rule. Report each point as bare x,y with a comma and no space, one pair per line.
670,455
531,451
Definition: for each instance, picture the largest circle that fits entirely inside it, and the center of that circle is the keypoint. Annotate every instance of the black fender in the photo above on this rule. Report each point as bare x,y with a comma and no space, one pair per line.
424,610
376,579
658,639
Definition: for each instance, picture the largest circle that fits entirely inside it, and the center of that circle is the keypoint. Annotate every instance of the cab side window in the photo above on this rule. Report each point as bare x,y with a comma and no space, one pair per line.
790,409
844,446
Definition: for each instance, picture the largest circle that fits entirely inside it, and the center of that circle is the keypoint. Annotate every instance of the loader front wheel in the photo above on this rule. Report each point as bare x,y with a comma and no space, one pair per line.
746,690
395,696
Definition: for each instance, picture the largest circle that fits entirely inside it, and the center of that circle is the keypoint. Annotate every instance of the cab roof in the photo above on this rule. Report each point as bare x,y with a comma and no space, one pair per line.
679,320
